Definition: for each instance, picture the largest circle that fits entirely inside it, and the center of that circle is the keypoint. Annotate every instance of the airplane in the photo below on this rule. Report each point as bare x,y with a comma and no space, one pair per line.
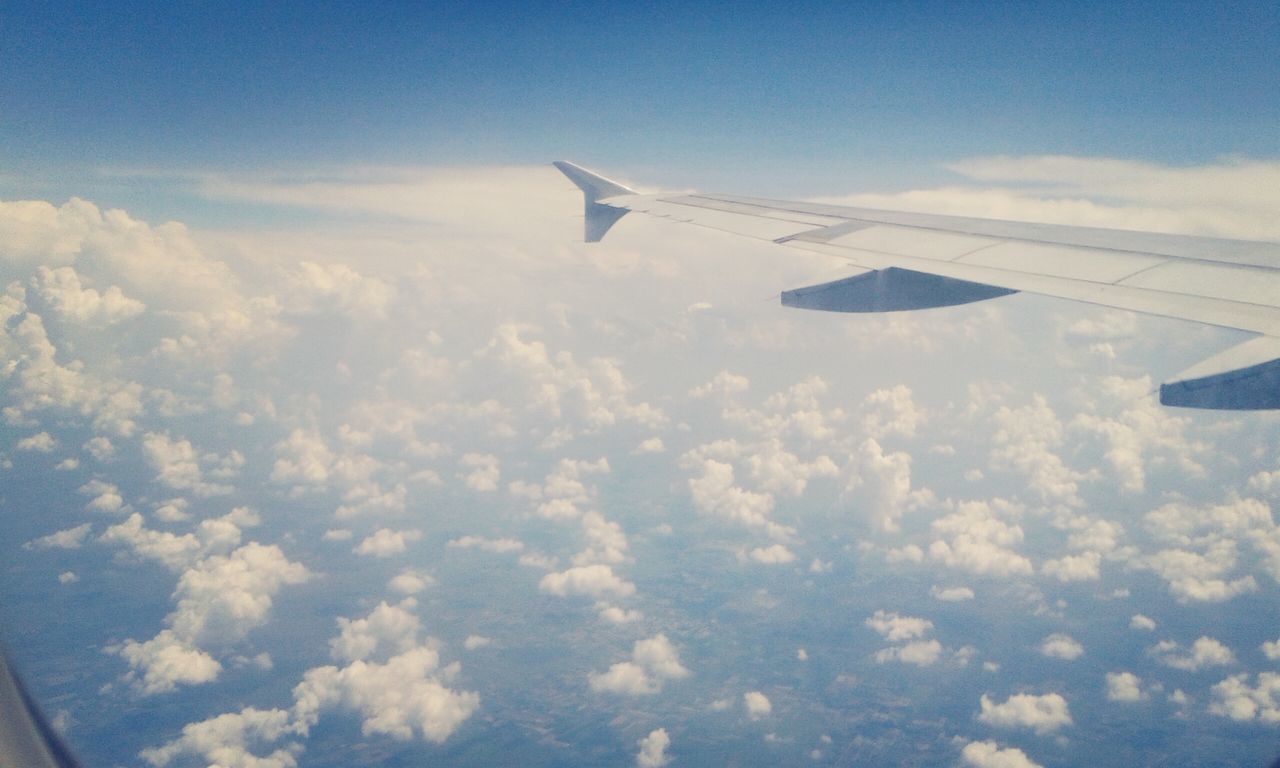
907,261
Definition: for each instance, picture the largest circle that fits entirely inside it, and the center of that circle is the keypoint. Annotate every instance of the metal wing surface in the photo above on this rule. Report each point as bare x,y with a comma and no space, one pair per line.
902,261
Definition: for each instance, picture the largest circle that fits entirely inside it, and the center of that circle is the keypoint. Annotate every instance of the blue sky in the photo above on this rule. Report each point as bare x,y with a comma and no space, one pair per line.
816,98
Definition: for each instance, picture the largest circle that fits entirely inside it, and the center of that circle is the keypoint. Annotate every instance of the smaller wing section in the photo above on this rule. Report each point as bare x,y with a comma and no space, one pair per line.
1245,377
890,290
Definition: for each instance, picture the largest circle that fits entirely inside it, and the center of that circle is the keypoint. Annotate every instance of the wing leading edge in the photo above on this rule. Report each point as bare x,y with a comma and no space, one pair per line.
915,261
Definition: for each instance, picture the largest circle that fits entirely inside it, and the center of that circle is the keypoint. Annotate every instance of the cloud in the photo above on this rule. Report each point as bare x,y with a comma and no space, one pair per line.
100,448
498,546
476,641
593,395
1072,568
723,385
37,231
385,542
218,601
592,580
69,538
1210,199
616,615
653,749
922,653
225,741
775,554
1025,441
951,594
1271,649
390,628
177,465
400,698
1043,714
1057,646
880,484
777,470
1199,576
173,511
401,693
175,551
649,445
895,628
164,662
564,491
1141,435
890,412
653,662
715,493
223,597
484,473
606,543
1214,198
757,704
1142,622
320,288
1236,699
106,497
1204,652
989,754
976,539
304,459
394,680
40,442
62,290
1125,687
410,582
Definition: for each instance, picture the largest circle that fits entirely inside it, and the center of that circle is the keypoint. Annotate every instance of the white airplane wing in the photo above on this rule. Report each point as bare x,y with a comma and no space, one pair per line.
907,261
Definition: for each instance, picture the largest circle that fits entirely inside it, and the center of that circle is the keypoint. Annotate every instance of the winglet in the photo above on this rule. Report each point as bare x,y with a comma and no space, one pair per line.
600,216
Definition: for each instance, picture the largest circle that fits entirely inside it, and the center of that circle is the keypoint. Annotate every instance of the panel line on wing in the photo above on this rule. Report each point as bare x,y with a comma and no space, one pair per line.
1260,254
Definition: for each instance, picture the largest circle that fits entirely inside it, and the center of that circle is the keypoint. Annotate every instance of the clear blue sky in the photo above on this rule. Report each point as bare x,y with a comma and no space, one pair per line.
726,96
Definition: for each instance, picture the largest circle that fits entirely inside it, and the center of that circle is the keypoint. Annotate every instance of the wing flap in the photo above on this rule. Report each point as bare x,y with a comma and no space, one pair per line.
890,290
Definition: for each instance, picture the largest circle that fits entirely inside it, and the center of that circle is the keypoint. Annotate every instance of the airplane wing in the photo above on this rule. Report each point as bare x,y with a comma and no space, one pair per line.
907,261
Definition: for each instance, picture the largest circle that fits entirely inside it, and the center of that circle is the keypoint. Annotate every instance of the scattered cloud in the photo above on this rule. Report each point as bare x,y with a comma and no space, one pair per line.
989,754
1204,652
1045,713
757,704
385,542
653,662
895,628
1143,623
1058,646
653,749
1125,687
1236,699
